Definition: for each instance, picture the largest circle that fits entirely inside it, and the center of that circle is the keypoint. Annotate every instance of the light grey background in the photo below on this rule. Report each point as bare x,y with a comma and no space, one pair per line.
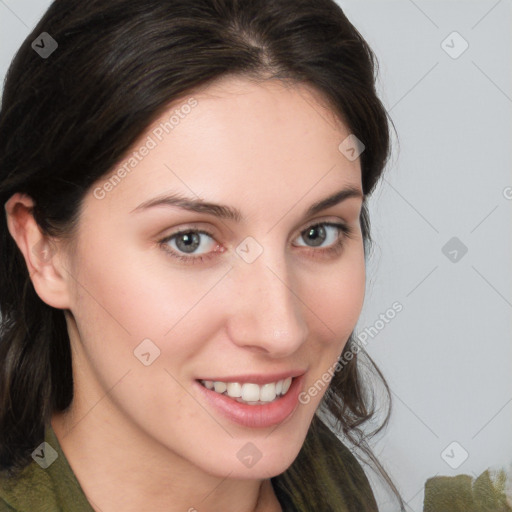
447,355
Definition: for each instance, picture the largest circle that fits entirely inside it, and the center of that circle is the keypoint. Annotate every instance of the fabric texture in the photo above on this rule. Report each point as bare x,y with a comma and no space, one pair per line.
463,493
54,488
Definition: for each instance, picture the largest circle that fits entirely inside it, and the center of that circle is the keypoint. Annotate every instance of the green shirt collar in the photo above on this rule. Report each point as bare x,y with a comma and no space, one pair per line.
46,484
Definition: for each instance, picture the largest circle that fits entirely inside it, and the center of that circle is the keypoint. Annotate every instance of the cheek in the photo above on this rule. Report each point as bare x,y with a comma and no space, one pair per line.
139,293
336,295
125,297
336,300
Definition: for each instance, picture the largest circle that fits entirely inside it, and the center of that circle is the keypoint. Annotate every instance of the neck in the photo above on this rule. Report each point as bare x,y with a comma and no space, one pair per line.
147,476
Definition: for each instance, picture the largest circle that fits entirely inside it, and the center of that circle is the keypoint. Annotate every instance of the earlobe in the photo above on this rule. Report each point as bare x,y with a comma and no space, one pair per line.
40,252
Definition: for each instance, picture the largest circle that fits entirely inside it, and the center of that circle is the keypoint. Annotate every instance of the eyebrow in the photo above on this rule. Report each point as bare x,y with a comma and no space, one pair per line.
230,213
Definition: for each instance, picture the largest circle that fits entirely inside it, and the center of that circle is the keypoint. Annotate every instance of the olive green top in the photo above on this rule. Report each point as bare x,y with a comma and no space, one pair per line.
48,483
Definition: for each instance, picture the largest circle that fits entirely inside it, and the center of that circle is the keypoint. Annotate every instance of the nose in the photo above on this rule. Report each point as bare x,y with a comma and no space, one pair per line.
268,313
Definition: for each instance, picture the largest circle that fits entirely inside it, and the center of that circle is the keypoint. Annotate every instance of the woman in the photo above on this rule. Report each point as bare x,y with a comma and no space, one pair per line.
184,245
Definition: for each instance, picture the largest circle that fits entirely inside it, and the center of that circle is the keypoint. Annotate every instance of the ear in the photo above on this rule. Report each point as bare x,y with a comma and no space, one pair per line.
42,256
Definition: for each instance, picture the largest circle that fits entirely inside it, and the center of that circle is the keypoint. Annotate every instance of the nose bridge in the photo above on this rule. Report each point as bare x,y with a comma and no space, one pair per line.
269,314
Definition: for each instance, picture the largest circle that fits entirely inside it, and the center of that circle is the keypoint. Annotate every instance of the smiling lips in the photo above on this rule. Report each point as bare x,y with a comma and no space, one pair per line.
249,392
273,409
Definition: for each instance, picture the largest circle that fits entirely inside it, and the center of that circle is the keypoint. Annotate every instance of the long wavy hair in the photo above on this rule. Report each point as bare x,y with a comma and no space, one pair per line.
67,119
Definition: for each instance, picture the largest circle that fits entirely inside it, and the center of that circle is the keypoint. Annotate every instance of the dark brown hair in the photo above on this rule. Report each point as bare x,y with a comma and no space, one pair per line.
67,119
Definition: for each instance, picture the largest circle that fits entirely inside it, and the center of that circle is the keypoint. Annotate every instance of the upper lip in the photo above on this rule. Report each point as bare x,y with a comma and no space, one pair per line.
259,379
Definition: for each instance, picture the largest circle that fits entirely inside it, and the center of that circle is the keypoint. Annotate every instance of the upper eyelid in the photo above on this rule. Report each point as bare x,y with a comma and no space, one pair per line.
307,225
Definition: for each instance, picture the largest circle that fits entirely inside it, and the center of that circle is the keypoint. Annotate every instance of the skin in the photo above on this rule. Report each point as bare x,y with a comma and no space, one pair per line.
141,437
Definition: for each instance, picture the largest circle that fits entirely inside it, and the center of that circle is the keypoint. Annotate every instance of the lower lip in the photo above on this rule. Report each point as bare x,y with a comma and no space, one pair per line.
256,416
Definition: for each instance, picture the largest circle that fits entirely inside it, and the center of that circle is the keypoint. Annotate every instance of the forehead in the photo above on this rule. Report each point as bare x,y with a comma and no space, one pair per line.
237,141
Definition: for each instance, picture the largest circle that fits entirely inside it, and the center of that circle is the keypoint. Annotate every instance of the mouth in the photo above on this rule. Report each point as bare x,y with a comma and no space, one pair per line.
250,393
253,405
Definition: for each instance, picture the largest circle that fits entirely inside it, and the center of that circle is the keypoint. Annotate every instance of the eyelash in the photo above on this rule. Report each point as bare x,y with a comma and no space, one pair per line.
333,249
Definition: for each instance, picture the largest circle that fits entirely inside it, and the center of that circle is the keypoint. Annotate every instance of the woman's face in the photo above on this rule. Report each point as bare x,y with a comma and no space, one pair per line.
249,299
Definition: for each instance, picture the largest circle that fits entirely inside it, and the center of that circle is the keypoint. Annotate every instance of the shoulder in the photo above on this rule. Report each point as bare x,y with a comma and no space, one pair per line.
47,484
26,490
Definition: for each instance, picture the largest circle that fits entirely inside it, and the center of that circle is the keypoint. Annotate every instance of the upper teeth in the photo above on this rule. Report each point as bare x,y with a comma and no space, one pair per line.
248,391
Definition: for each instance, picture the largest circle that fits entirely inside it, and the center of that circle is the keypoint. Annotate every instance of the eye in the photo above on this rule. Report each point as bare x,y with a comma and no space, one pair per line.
318,233
186,242
183,244
334,233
